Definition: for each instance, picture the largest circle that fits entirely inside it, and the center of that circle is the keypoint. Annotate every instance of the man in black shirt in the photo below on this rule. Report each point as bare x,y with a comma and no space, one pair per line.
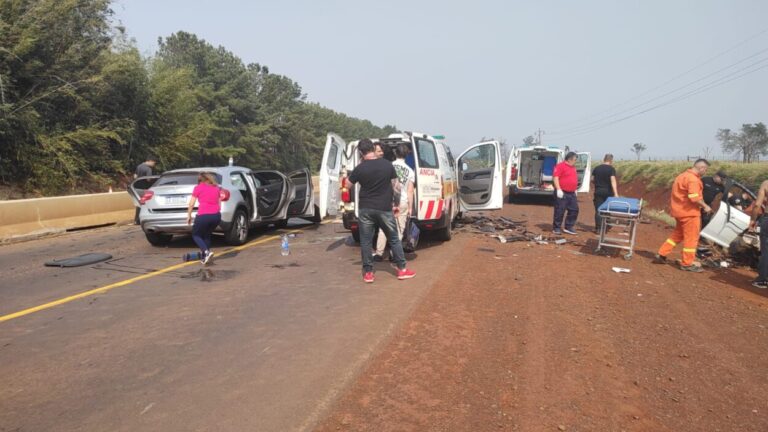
378,199
604,177
713,185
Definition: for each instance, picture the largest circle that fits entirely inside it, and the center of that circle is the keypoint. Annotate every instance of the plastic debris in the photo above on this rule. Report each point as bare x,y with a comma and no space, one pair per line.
621,270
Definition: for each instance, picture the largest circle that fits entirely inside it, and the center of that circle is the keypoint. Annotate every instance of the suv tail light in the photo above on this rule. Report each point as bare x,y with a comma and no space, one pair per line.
146,197
224,194
513,174
345,195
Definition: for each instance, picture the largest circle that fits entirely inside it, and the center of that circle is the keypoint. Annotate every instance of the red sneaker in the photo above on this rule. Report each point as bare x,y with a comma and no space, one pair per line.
405,274
368,277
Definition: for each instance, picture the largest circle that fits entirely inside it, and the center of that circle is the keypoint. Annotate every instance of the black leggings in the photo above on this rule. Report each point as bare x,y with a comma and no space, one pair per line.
203,228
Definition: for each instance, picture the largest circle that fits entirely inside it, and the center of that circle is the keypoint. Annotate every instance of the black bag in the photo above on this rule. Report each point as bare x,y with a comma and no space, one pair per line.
410,236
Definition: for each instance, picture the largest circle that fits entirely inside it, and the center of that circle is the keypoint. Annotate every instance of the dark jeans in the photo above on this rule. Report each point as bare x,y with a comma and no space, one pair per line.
202,229
370,221
568,203
599,199
762,266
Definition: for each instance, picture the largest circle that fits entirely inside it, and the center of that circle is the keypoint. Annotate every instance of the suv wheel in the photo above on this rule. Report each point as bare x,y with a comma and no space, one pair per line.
238,231
158,239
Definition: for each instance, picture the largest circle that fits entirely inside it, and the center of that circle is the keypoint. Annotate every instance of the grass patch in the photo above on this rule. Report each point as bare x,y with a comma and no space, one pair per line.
662,174
660,215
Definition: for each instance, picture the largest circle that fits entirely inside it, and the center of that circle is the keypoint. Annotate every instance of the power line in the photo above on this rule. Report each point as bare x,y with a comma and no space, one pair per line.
708,86
604,118
676,77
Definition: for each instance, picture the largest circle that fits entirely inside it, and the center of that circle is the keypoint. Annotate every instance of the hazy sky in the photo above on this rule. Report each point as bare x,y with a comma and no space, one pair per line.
501,68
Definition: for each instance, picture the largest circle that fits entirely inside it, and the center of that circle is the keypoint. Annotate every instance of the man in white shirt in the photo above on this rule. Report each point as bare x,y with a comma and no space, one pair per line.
406,179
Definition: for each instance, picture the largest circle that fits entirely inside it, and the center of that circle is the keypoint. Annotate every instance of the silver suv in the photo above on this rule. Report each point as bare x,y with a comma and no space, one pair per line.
256,198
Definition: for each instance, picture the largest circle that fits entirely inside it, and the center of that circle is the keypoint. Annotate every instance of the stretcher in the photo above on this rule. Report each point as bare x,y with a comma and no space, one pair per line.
622,214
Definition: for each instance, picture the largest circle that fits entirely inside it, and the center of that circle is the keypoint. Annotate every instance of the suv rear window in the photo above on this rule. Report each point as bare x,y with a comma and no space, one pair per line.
425,149
185,178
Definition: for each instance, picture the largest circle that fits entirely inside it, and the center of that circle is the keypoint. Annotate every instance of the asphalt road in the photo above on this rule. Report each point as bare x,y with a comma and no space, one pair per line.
257,342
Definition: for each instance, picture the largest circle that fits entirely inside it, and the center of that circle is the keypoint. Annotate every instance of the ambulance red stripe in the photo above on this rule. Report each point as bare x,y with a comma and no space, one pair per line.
430,207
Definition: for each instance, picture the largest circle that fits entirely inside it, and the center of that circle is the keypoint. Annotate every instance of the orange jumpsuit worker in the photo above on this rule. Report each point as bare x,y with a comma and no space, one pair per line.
686,203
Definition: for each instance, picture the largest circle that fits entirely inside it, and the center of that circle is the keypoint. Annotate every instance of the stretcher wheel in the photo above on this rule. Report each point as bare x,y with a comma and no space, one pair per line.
628,256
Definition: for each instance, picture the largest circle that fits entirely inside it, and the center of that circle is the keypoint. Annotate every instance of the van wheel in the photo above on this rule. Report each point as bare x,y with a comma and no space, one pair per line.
356,236
158,239
238,232
446,234
316,218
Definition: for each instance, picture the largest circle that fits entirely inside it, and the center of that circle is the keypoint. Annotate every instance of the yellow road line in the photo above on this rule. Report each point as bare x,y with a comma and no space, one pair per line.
106,288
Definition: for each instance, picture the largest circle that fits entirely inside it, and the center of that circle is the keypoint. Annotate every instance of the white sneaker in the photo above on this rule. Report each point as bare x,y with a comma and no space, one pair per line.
571,232
207,258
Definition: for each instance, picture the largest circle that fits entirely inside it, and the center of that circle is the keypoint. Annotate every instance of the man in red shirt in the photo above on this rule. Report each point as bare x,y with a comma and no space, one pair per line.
566,182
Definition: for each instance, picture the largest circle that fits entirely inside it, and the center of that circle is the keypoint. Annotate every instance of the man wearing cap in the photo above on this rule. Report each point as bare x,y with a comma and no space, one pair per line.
713,185
686,204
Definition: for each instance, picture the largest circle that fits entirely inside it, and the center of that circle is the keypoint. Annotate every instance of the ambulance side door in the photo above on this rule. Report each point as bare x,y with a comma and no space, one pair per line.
480,177
330,171
584,171
511,162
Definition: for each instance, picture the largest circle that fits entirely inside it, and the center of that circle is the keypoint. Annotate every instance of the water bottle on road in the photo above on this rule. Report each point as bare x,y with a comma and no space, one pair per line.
284,247
191,256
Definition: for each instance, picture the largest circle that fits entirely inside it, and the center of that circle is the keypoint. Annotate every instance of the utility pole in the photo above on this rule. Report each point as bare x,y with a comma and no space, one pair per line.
538,136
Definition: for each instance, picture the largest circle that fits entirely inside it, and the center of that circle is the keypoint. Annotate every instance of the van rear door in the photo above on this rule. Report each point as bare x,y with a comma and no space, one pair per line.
330,171
511,162
480,177
584,171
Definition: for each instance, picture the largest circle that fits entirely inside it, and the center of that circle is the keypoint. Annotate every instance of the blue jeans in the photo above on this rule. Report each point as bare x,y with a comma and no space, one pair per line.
370,221
202,229
568,203
762,266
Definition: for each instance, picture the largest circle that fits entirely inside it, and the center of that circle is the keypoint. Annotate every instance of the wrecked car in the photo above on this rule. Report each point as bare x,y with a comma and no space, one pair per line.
249,199
730,220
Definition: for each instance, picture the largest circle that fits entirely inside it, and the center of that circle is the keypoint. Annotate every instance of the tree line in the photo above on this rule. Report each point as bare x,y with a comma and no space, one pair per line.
80,106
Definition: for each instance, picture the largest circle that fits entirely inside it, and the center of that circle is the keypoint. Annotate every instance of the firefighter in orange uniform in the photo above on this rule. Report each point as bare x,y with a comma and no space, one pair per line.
687,203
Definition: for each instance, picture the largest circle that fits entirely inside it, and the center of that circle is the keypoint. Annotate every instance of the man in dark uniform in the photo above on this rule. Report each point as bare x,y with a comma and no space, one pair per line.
605,185
713,185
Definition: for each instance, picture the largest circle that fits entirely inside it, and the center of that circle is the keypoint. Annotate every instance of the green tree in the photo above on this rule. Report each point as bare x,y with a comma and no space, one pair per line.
638,149
751,142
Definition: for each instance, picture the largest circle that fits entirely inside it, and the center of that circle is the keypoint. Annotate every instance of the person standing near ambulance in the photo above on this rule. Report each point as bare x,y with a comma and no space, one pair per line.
566,205
605,186
686,204
379,200
407,179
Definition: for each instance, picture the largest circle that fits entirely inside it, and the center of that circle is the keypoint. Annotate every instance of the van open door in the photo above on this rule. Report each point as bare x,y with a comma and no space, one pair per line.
511,167
480,177
330,170
303,204
584,171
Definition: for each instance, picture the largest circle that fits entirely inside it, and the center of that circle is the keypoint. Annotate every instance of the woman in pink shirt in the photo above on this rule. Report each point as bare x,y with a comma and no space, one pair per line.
207,192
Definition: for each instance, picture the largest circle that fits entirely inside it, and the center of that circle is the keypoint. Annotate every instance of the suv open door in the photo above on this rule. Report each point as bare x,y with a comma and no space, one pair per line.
330,170
480,177
584,171
303,204
139,186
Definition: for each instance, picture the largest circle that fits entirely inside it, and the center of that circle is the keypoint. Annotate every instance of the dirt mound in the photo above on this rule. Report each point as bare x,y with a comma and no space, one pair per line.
657,198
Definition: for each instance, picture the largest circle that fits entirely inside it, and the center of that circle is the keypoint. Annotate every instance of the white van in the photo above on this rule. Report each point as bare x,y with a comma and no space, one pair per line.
444,187
530,169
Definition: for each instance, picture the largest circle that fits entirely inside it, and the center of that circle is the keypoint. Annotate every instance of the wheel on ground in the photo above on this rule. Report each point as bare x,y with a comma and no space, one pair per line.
282,223
238,231
158,239
445,234
356,236
628,256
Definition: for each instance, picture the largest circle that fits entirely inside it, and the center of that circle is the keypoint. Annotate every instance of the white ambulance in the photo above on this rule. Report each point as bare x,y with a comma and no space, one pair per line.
445,186
530,169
